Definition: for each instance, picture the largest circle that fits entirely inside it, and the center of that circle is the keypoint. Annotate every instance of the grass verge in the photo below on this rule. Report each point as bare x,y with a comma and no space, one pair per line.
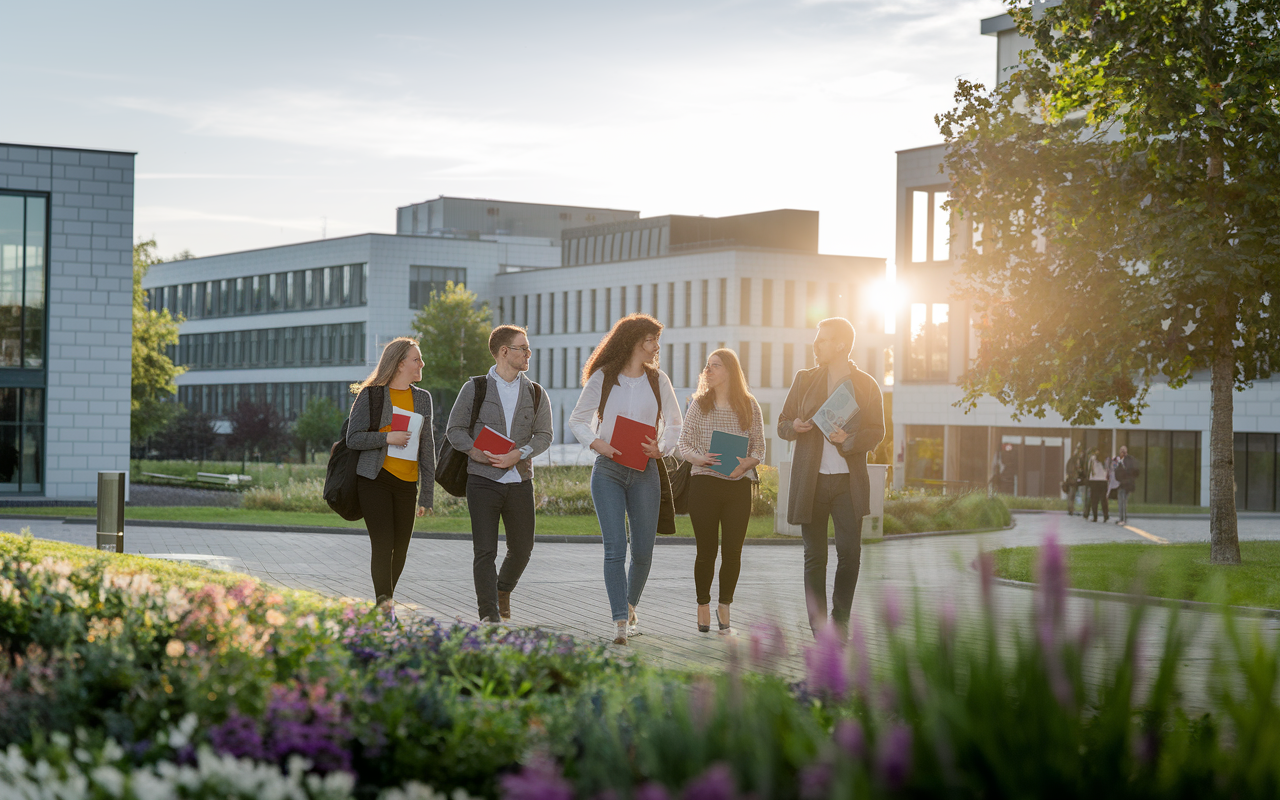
556,525
1059,504
1177,571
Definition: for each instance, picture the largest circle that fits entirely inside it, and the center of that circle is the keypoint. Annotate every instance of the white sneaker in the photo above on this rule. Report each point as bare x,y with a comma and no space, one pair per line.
620,632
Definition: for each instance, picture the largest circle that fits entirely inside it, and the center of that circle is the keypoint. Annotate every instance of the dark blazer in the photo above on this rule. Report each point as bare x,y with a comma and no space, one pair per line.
373,444
1127,472
866,429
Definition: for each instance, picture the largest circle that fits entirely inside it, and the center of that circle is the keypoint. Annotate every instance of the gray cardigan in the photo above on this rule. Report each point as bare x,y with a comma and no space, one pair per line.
527,428
373,444
808,393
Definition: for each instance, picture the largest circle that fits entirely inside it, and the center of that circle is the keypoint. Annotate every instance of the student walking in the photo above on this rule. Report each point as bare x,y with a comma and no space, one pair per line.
500,486
1126,472
397,463
1099,477
829,473
622,380
719,504
1074,480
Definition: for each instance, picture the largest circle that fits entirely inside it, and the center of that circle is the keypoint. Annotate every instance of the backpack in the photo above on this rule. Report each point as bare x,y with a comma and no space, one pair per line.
451,466
340,475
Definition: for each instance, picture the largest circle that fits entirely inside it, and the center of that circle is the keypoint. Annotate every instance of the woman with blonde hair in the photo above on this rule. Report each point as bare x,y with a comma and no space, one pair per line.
719,504
397,459
622,379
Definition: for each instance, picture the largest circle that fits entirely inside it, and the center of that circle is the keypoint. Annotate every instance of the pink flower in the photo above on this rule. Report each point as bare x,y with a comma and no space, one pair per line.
825,663
987,572
540,779
767,644
893,756
850,738
716,783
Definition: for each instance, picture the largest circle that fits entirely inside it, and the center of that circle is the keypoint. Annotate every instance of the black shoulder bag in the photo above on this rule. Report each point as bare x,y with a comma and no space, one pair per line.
340,475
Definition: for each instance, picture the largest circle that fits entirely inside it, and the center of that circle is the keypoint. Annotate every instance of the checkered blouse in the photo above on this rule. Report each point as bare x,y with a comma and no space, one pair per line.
695,437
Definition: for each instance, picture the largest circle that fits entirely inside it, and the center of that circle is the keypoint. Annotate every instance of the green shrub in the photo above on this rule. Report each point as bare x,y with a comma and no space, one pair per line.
916,512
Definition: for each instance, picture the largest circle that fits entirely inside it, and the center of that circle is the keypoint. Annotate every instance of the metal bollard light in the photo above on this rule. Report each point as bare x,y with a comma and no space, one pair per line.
111,511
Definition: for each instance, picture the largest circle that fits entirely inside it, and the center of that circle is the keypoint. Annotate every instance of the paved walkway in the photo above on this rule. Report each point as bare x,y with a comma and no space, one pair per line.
563,587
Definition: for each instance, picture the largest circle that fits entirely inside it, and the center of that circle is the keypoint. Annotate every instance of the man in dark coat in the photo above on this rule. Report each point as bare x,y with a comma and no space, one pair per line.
1075,479
1127,472
829,474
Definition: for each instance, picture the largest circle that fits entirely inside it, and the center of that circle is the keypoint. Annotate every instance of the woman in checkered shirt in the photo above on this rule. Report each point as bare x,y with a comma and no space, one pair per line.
719,505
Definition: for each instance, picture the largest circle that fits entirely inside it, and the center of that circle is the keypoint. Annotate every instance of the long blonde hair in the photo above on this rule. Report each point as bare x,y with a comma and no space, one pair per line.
396,351
739,397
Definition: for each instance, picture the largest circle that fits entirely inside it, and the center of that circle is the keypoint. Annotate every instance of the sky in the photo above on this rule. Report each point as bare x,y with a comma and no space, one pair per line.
266,123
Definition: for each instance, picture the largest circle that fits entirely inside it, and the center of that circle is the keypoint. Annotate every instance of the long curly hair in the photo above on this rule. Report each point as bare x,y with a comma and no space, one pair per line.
740,397
615,349
396,351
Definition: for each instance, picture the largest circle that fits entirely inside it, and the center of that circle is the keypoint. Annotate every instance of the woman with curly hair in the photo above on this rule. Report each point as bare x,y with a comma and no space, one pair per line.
719,504
622,379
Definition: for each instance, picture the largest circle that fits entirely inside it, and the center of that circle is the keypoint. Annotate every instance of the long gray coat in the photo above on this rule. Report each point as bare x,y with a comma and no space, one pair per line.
808,393
527,427
373,444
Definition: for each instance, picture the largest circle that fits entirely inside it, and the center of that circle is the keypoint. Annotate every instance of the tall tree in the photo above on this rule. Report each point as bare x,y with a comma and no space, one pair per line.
257,427
1125,179
453,333
153,370
319,424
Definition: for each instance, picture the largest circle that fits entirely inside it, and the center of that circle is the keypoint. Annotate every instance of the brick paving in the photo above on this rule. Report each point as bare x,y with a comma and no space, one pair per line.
563,587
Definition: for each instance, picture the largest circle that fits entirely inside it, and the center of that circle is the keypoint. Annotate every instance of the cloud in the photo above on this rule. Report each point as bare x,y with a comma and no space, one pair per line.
162,214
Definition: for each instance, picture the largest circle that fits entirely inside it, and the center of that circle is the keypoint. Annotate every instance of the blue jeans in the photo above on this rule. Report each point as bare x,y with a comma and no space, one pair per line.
621,493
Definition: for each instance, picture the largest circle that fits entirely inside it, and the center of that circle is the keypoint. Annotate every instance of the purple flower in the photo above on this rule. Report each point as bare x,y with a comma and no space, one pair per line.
987,571
892,608
715,784
850,738
893,756
815,781
825,663
947,621
862,677
768,644
238,736
540,779
652,791
1053,588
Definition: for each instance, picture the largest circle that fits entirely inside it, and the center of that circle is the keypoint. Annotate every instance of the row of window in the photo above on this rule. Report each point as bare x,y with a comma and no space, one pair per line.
425,280
298,290
288,398
619,246
702,303
302,346
21,439
23,232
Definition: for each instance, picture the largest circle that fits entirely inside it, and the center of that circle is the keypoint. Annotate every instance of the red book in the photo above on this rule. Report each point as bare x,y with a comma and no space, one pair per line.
490,441
399,422
627,437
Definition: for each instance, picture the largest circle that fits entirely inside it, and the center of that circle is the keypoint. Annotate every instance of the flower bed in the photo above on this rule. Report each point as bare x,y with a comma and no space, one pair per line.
123,677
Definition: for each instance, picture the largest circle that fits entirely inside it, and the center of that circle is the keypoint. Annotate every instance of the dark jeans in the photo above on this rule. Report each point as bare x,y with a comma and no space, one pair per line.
1122,495
1098,494
488,501
717,506
831,498
388,504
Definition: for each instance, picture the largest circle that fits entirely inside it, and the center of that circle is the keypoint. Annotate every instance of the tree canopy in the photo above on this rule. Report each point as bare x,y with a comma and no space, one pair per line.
1125,182
153,370
453,333
319,424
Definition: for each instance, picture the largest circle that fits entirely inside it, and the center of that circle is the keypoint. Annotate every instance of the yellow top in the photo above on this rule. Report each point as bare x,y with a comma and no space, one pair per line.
404,470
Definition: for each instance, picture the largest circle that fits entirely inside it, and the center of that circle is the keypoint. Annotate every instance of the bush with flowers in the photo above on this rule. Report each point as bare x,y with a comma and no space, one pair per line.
120,677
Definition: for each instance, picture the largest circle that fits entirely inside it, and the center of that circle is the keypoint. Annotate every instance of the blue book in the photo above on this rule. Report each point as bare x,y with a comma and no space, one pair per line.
731,447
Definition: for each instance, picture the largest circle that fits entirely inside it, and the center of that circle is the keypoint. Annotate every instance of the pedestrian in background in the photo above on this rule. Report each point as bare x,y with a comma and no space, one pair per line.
720,505
1075,480
622,379
1126,473
829,475
391,472
1098,480
500,487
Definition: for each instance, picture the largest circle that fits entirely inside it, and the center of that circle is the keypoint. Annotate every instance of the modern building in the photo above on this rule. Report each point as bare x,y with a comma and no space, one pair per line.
66,301
938,443
284,324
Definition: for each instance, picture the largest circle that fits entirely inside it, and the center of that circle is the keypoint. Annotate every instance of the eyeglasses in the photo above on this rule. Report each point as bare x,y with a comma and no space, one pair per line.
524,349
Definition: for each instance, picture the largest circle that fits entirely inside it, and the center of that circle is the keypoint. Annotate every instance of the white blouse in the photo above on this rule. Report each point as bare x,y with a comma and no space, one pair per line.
631,398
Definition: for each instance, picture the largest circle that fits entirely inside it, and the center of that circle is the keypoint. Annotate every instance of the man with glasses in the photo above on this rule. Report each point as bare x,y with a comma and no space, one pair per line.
500,485
829,473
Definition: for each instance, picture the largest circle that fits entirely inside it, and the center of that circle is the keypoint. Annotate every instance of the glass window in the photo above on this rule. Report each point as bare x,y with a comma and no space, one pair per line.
766,365
927,342
425,280
924,454
744,356
688,363
744,302
688,304
930,226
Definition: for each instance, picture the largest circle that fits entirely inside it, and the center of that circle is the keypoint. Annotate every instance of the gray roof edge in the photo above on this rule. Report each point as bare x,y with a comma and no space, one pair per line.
75,149
997,24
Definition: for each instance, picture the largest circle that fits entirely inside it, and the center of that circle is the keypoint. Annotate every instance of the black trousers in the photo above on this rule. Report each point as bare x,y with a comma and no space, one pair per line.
719,510
831,498
488,502
1098,494
388,504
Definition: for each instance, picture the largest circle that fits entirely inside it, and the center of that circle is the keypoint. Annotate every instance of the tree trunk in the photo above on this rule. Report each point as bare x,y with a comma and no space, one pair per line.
1224,541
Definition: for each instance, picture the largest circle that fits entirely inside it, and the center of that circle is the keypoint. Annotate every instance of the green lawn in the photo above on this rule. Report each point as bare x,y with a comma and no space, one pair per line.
758,528
1058,504
1180,571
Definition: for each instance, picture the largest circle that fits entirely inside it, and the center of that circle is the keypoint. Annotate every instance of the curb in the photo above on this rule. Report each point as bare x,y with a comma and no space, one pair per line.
1240,514
1134,599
